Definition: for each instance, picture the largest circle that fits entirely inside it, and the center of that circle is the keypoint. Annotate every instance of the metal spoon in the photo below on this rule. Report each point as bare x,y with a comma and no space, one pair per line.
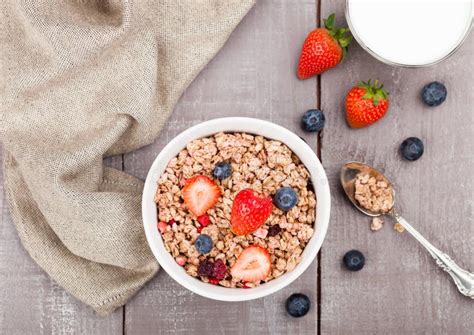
463,279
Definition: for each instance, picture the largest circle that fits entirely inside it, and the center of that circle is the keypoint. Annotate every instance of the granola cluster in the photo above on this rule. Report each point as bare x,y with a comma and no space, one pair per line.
258,163
374,195
376,224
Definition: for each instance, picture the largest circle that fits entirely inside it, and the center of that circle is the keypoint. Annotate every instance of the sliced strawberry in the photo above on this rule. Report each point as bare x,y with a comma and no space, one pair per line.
213,281
181,260
249,211
200,193
162,226
252,265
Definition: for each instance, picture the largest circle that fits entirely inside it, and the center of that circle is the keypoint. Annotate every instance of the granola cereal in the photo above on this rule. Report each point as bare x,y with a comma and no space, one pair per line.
258,163
372,194
376,196
398,227
376,224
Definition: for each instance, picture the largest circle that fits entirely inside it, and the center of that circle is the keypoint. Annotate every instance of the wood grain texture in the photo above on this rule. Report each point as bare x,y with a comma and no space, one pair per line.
253,75
32,303
401,290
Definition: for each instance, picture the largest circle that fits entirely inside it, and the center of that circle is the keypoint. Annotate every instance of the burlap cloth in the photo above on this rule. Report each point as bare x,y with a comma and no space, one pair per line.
82,80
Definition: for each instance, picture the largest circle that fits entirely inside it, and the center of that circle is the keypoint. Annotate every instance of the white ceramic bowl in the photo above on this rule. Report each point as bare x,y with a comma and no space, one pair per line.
251,126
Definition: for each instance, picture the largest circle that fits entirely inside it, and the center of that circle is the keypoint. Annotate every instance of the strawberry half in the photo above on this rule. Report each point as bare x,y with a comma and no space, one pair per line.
253,264
249,211
323,49
200,193
365,104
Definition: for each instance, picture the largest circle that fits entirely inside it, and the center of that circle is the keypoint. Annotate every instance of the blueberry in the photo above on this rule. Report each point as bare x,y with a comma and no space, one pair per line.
298,305
434,94
203,243
222,170
313,120
285,198
354,260
412,148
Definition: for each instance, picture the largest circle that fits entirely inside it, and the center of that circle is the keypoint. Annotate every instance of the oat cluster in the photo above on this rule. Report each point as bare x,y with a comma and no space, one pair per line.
374,195
258,163
376,224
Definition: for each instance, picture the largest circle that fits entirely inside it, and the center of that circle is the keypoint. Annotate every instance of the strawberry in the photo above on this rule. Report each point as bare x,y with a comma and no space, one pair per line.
204,220
200,193
249,211
323,49
365,104
181,260
162,226
214,281
252,265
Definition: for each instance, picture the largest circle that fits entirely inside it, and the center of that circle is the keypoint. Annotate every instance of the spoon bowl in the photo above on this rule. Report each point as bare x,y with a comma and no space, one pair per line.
463,279
348,176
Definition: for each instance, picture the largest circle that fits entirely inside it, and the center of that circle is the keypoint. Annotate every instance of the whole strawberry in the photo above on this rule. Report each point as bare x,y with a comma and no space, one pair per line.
365,104
323,49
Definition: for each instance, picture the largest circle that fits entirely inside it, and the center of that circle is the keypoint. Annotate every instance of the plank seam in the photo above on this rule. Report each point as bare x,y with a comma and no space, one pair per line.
319,150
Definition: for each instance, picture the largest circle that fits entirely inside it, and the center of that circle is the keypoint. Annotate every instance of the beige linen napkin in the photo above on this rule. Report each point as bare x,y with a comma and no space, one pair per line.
82,80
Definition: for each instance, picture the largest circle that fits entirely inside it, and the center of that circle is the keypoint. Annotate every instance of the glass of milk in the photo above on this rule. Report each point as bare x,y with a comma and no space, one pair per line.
410,33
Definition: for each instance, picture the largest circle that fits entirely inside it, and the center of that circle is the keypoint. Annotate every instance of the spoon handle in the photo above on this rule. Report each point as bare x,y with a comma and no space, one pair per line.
463,279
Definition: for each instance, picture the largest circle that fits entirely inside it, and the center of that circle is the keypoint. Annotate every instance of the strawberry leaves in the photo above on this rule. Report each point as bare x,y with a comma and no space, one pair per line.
329,21
339,34
374,92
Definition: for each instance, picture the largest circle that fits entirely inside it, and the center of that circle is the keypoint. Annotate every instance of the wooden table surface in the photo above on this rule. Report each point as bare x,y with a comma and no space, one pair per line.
400,290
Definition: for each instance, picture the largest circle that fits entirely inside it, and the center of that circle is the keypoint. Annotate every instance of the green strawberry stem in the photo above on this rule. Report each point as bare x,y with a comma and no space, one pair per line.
339,34
374,92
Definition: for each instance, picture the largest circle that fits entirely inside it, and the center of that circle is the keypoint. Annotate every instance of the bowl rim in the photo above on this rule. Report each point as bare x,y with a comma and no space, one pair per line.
246,125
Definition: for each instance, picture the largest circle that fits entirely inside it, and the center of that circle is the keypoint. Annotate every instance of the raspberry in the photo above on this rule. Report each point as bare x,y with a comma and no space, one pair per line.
220,270
204,220
213,281
274,230
206,268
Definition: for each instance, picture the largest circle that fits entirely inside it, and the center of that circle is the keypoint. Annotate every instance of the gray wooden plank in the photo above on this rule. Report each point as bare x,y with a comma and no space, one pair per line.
31,303
400,290
253,75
